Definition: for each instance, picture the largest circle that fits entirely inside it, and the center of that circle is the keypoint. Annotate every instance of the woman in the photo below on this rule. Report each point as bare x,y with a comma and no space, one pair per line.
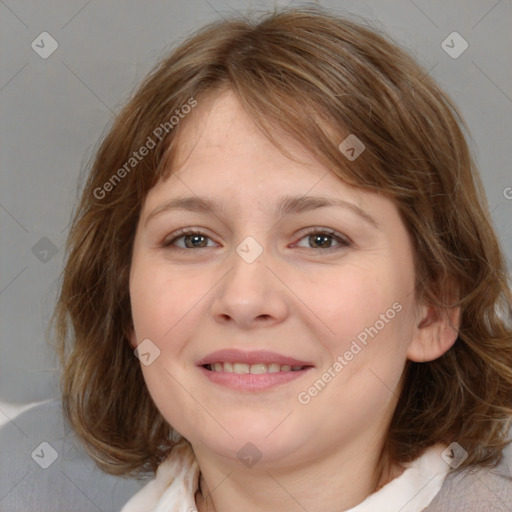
283,283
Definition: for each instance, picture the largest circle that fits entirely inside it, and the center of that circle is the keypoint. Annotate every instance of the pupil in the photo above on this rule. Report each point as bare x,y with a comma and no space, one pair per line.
195,238
318,239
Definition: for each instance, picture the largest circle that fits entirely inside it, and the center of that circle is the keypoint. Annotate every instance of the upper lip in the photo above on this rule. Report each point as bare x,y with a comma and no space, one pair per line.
250,357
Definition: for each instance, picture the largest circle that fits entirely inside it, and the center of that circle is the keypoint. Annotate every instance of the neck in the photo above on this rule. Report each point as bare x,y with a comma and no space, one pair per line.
338,483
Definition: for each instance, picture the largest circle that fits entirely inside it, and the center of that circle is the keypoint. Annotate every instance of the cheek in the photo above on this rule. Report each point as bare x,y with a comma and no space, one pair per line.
348,302
161,299
369,315
163,309
366,311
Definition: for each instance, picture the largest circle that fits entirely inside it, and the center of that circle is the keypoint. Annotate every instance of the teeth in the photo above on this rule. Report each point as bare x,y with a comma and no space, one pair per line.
237,367
258,368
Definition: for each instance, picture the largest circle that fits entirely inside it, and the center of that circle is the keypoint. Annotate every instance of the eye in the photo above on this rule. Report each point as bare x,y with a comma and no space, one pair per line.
321,239
318,239
192,240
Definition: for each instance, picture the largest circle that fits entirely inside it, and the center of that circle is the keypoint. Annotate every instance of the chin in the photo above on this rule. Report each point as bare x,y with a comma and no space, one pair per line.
250,442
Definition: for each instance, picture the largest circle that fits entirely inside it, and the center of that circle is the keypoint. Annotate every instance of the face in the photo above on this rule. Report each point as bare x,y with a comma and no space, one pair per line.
324,289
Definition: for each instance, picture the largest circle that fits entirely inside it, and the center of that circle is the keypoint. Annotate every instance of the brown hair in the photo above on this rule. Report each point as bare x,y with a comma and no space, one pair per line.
318,78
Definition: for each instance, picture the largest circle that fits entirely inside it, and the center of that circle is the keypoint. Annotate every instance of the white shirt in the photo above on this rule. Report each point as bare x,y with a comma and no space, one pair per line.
176,482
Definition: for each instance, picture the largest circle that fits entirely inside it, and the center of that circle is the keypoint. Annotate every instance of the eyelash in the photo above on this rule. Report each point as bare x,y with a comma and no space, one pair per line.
344,242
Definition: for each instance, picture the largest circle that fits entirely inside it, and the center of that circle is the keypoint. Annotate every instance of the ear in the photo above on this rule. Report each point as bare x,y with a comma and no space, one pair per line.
130,337
132,340
435,333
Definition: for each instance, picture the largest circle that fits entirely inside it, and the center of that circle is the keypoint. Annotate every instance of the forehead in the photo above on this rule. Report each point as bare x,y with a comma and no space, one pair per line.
221,154
220,129
220,145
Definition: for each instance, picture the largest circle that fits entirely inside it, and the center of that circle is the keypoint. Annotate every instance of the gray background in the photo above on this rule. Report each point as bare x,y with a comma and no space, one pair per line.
54,110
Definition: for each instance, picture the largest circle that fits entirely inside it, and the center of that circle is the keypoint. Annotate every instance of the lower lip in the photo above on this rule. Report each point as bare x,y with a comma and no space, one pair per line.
252,381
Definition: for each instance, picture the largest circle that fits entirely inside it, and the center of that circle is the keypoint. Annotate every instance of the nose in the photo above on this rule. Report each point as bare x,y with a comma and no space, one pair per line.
250,295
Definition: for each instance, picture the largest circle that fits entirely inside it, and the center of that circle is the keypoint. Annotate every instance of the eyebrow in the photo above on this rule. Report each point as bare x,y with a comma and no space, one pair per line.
287,205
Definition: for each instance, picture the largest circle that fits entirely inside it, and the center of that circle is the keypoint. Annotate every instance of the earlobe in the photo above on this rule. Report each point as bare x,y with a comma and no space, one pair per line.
435,334
131,338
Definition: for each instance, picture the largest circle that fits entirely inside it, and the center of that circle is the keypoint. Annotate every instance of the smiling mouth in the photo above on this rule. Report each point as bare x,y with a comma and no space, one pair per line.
258,368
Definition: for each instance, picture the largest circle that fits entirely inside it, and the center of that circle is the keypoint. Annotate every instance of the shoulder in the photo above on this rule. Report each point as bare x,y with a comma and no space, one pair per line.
175,482
477,489
46,467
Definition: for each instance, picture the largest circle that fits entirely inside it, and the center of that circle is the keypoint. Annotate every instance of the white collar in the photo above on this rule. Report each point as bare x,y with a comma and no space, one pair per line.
176,482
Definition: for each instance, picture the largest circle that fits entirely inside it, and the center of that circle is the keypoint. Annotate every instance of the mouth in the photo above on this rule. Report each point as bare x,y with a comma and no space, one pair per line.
255,369
251,370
